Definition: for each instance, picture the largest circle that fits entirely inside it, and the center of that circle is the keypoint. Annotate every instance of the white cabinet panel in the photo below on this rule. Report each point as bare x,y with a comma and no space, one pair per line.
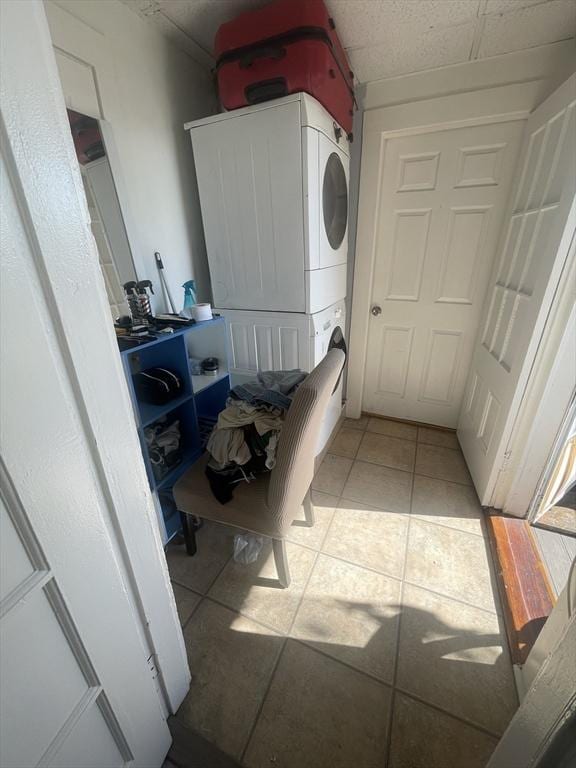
261,341
249,173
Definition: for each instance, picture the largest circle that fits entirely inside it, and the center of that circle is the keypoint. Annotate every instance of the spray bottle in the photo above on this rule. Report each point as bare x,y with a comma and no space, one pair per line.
189,297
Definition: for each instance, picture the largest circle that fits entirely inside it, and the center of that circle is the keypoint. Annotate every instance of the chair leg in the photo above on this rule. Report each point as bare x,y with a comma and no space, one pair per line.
309,509
281,560
189,528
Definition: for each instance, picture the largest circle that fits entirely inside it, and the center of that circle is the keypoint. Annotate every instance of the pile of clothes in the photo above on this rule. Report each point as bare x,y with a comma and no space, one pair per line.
163,441
245,438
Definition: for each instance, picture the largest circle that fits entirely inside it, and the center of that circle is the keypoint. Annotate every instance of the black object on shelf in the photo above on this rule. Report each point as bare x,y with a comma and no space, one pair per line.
157,386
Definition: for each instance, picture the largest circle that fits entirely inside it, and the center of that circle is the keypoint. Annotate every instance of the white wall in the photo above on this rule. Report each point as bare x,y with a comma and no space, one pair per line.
111,61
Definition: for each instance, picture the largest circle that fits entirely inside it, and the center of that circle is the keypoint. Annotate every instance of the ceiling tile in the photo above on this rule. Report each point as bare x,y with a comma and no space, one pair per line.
506,6
434,48
360,23
200,19
526,28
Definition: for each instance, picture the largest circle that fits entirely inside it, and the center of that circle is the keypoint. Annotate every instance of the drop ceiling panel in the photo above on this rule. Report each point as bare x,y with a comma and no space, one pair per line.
385,38
426,50
528,27
363,23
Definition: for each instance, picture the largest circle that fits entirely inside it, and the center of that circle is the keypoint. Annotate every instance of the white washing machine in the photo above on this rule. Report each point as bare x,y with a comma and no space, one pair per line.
264,341
273,184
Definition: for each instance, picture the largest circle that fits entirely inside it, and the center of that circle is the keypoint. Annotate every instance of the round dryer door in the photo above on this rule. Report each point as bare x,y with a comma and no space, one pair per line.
333,204
335,201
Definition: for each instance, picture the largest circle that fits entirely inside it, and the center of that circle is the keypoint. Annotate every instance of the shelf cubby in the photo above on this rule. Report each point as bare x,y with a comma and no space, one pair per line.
202,398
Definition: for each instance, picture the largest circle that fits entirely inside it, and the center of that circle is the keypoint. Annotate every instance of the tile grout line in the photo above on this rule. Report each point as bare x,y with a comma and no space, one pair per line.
397,469
447,713
238,612
284,644
264,697
398,633
192,612
400,578
309,644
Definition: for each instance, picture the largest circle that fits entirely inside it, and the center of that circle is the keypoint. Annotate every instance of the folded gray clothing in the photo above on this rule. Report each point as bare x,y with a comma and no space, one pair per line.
270,387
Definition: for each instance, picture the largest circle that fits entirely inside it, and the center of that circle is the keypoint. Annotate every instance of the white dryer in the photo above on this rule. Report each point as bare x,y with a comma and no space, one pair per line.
273,184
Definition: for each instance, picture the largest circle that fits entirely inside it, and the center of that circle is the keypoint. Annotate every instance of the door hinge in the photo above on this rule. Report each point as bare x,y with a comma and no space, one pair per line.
153,666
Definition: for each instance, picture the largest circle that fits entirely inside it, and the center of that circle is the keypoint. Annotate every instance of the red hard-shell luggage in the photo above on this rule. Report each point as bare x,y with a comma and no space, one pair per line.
285,47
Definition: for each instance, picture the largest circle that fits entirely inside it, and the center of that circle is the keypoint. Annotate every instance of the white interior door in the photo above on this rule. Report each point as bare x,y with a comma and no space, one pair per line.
79,682
535,242
442,196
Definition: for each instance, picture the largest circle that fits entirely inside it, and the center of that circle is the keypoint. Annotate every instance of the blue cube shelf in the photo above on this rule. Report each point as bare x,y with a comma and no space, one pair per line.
196,409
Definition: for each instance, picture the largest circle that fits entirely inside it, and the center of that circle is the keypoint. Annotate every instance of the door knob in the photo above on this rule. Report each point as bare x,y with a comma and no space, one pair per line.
376,310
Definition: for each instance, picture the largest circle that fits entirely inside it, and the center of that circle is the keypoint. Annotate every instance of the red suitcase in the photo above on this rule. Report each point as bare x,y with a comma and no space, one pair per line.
285,47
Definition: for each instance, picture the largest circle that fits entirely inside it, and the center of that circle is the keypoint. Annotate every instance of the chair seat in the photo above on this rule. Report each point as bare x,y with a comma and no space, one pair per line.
247,510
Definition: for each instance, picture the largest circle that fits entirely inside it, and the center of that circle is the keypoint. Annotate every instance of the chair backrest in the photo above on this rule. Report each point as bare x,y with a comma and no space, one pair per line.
291,477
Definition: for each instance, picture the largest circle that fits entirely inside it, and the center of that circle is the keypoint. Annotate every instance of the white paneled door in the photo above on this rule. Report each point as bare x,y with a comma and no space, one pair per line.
533,252
441,197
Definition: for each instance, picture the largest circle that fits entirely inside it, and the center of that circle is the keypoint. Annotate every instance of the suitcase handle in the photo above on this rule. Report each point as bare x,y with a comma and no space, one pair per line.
265,52
265,90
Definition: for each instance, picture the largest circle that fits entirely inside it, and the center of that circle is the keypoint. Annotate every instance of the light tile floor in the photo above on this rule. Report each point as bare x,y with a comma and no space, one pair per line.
387,650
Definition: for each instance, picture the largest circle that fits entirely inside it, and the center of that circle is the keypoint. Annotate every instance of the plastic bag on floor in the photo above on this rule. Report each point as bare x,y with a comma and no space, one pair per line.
247,547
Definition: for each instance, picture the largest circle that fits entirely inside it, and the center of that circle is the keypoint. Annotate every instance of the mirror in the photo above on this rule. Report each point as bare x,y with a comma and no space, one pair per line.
106,217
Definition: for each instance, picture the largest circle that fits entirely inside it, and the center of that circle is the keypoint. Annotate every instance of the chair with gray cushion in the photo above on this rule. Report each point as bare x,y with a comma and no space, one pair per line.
268,505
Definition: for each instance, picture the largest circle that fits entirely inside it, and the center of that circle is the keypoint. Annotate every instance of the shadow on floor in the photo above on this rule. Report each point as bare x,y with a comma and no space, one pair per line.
350,681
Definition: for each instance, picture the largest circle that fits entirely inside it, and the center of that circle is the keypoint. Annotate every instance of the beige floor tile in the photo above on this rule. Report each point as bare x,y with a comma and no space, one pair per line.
301,533
381,487
445,463
231,659
368,537
255,591
392,428
346,442
423,737
450,504
332,474
388,451
320,714
186,601
351,613
451,562
215,547
455,656
441,437
356,423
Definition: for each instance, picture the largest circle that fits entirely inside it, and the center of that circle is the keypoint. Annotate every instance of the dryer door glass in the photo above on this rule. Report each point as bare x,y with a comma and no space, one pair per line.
335,201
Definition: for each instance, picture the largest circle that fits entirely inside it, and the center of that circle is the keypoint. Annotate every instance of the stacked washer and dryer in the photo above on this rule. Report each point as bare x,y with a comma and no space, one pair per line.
273,184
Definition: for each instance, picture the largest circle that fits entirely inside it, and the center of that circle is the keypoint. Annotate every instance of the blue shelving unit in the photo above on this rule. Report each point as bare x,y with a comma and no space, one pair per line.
196,409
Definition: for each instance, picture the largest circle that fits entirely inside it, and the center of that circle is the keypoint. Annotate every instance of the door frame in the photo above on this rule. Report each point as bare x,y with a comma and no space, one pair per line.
469,109
547,403
80,313
548,704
